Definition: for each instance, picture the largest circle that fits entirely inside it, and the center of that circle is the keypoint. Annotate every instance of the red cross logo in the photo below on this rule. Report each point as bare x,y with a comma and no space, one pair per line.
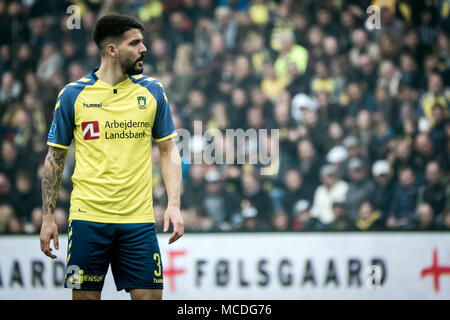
435,270
171,272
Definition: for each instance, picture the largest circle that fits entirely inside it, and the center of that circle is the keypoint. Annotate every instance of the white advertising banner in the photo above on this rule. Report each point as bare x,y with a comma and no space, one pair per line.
259,266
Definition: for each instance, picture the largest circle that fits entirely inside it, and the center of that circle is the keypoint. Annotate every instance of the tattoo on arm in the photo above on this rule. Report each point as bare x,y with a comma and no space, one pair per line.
51,178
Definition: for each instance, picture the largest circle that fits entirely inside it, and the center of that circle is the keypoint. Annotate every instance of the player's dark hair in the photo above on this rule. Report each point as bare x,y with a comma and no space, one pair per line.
113,26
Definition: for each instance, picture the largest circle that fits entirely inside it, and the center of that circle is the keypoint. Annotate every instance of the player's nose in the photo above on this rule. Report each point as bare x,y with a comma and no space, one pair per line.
143,49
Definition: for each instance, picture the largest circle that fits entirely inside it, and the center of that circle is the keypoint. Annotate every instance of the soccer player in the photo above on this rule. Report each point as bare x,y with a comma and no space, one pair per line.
112,114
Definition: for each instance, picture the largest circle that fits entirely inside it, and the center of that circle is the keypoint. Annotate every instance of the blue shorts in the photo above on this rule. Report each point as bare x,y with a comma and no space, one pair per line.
131,249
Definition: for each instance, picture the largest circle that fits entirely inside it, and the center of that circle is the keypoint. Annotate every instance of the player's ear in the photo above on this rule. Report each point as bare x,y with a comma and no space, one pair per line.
111,49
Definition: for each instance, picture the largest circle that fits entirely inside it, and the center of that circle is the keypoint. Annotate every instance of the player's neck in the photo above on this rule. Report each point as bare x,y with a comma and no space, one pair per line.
110,74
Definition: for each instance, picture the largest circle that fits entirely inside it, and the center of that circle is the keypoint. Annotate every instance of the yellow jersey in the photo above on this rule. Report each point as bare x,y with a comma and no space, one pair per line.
112,127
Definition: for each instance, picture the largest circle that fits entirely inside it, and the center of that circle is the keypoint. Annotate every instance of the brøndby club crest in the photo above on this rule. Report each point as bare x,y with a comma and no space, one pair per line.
142,102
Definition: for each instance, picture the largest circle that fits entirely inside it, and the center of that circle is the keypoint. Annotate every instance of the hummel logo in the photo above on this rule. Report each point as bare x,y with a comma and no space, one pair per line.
92,105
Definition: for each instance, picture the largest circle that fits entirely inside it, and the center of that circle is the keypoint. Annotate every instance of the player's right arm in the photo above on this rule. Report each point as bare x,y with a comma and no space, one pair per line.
59,138
51,182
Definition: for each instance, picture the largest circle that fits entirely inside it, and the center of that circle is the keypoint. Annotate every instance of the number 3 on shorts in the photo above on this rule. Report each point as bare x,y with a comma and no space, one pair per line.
156,256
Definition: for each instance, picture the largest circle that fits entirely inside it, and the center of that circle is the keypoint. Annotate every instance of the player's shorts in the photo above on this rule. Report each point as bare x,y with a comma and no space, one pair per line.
131,249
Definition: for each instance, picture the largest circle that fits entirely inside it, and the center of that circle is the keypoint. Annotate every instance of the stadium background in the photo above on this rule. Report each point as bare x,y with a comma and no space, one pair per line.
363,117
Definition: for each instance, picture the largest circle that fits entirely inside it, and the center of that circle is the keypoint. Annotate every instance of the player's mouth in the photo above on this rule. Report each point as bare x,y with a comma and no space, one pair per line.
140,60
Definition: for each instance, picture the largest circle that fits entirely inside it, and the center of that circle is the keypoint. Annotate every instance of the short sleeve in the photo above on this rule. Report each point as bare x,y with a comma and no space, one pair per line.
163,127
61,130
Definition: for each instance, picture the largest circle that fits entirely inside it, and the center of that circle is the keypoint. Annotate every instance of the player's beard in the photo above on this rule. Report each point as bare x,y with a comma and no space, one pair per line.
131,67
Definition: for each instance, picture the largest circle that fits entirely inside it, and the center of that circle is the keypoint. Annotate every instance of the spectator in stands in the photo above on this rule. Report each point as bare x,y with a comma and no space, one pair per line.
437,93
326,21
14,226
25,61
49,62
24,197
383,193
195,107
401,156
334,138
405,199
337,156
410,72
424,153
272,84
300,82
69,52
389,47
290,52
309,163
390,77
282,22
442,47
219,205
408,106
295,190
358,99
437,133
280,221
302,219
10,88
381,140
76,71
360,188
328,111
323,81
362,45
341,221
424,219
243,75
9,160
226,25
368,218
194,187
249,216
436,191
427,29
386,106
258,198
331,190
160,60
364,128
365,72
353,147
238,107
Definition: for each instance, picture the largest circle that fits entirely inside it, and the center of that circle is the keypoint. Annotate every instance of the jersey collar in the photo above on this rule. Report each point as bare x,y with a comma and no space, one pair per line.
123,83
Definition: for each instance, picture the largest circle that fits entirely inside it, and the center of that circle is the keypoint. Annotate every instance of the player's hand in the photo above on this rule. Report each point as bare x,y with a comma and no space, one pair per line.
173,215
49,230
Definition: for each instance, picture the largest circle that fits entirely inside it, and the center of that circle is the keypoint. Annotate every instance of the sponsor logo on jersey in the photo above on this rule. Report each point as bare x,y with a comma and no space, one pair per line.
90,130
126,129
92,105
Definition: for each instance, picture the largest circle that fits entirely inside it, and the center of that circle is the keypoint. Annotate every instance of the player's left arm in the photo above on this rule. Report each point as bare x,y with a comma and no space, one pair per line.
171,172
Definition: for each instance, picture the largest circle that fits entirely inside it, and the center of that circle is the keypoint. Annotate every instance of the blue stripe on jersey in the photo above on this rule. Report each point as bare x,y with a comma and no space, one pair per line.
61,131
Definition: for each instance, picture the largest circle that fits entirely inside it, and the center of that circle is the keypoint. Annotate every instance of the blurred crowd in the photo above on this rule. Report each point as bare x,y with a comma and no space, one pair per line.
362,112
